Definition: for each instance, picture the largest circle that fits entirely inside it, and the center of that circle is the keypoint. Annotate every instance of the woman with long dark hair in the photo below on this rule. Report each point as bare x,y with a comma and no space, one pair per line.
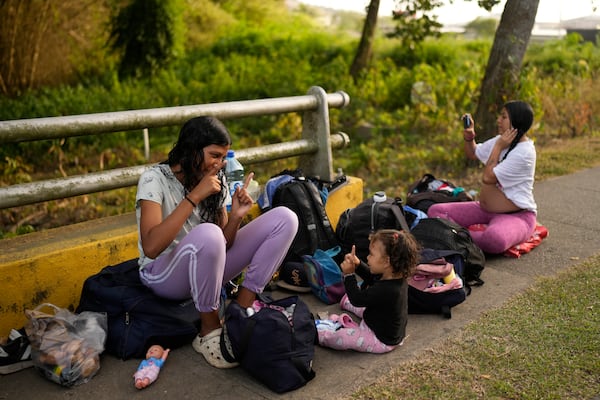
190,246
505,214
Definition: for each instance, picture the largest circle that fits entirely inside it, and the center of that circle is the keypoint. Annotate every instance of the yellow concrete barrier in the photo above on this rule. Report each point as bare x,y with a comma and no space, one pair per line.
51,266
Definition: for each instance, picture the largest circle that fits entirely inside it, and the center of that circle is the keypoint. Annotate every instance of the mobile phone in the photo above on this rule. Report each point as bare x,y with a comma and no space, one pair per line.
466,121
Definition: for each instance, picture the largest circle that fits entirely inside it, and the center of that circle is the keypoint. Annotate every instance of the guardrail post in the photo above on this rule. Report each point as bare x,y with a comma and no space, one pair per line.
315,127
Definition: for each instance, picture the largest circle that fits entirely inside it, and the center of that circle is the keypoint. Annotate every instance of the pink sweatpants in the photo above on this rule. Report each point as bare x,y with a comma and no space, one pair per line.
503,231
352,336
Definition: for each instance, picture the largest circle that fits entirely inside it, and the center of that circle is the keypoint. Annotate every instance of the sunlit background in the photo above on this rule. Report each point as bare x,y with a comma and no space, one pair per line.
462,11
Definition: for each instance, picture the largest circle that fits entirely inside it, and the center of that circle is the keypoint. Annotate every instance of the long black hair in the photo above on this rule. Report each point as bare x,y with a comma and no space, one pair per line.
188,152
520,114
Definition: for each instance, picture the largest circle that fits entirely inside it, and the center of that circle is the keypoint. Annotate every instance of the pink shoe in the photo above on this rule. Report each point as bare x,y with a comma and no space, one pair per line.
347,321
344,302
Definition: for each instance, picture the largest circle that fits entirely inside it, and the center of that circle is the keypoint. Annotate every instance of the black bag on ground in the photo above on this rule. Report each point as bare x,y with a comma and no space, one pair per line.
137,318
302,196
442,234
356,224
436,287
429,190
276,344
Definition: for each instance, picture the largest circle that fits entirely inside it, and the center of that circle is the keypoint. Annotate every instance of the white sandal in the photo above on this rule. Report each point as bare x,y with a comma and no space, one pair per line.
210,347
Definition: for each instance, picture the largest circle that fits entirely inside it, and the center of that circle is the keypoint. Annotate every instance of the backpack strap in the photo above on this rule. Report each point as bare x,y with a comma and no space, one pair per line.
397,210
302,196
318,222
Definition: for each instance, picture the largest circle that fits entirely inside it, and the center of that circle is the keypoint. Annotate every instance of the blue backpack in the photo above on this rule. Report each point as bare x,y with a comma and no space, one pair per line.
324,275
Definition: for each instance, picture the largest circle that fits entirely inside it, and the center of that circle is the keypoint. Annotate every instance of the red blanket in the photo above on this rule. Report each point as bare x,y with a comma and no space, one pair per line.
540,233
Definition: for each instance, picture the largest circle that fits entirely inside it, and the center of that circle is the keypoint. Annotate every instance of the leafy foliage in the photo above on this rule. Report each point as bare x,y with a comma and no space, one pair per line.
403,118
146,32
414,22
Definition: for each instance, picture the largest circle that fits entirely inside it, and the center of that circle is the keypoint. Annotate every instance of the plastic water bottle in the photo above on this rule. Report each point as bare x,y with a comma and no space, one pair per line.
234,172
379,197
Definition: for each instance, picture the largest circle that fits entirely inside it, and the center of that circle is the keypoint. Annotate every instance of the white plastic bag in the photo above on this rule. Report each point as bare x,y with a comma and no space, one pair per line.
66,347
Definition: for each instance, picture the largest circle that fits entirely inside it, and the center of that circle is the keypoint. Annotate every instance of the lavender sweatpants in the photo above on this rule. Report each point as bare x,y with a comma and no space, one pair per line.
200,264
502,232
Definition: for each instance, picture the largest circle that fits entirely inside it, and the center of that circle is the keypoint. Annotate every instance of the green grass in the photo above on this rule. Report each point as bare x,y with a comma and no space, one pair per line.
542,344
562,157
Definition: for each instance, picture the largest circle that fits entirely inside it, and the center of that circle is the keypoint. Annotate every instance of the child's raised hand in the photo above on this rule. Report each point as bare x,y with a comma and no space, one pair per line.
350,262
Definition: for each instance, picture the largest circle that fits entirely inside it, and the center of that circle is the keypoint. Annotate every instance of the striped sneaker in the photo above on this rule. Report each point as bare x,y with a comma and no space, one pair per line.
15,355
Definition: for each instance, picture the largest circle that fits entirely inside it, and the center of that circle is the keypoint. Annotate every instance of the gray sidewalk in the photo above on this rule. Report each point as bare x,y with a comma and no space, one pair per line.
567,207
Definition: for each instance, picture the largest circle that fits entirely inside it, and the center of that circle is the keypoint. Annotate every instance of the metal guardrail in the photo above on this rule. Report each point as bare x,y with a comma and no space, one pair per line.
314,148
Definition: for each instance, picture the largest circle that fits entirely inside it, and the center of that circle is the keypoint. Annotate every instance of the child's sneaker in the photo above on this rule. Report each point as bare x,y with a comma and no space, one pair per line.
15,355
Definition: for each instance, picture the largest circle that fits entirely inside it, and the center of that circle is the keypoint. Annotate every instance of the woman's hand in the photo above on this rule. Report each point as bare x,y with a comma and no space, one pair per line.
506,138
469,133
469,138
208,185
241,201
489,176
350,262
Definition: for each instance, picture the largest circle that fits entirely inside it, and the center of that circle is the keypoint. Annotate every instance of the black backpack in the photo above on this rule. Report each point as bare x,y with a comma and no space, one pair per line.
442,234
137,318
302,196
430,190
356,224
276,344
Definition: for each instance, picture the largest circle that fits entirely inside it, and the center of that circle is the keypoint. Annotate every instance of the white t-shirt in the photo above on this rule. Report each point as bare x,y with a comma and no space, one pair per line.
159,184
516,174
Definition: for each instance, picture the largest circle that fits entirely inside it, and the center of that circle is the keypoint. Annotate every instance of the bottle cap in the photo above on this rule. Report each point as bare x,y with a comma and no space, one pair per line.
379,197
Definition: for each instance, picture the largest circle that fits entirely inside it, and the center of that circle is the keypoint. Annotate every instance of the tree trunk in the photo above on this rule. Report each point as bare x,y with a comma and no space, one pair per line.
363,54
501,79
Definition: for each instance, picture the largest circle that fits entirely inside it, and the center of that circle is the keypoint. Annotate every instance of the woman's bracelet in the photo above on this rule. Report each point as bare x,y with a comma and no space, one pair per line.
191,202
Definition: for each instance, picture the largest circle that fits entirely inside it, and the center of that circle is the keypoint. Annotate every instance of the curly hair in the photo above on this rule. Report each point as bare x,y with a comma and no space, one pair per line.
196,134
402,248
